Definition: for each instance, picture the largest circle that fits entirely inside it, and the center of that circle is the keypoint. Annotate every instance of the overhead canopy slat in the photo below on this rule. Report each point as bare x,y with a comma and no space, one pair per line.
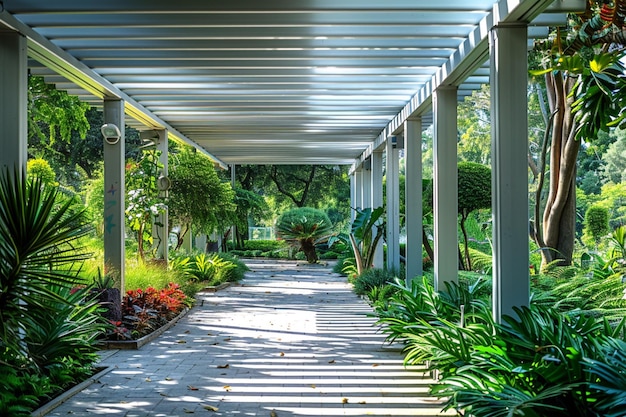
278,81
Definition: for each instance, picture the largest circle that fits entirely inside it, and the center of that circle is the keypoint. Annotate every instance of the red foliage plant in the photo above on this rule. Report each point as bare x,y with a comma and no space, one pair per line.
143,311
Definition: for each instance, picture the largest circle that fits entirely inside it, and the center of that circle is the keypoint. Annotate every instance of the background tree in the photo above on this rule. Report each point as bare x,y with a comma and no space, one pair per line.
305,227
591,162
53,113
144,201
584,95
474,194
198,199
474,125
66,133
325,187
614,160
250,207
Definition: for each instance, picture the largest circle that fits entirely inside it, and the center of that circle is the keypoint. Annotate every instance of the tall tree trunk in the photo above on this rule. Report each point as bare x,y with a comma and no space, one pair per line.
559,212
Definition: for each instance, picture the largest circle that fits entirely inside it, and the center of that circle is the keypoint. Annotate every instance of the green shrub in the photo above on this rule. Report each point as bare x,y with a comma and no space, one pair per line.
596,223
264,245
346,266
210,269
540,362
372,278
329,255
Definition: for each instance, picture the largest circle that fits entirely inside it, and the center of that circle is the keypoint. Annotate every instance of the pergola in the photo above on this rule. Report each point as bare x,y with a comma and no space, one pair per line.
342,82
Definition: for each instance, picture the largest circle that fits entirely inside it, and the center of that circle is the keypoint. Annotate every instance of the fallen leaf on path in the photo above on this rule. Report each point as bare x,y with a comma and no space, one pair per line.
374,365
192,388
344,400
331,361
188,411
223,366
273,414
181,341
282,353
227,339
227,388
162,394
362,402
168,378
210,408
313,386
148,380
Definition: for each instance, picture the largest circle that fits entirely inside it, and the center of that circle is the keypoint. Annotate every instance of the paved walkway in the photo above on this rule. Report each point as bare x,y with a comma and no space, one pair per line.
288,341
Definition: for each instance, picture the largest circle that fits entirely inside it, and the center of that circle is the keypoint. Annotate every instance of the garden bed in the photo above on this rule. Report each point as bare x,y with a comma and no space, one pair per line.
66,395
137,343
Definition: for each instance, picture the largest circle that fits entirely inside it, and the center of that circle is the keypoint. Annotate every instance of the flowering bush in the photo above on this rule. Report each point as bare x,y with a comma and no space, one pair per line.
143,311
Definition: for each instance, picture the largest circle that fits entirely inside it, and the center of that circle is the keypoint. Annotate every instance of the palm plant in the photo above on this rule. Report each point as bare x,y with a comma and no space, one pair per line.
305,227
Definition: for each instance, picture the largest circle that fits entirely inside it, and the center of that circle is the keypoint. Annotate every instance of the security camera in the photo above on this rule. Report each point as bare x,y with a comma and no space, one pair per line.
111,133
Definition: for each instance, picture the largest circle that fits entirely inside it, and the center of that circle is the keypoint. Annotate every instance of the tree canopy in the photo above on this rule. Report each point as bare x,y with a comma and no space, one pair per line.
198,198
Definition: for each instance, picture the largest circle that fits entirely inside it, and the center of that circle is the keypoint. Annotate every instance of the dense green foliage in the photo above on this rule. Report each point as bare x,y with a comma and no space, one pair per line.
284,187
48,328
250,206
540,362
305,227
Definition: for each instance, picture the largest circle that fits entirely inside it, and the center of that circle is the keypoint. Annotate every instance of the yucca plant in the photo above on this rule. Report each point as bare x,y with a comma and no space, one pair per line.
47,327
38,235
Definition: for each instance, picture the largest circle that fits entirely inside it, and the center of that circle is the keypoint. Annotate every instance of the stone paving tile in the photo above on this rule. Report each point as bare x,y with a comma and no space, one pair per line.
289,340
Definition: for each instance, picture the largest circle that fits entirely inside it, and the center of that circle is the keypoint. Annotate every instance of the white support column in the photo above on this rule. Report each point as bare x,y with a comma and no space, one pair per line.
366,198
114,195
377,199
509,133
358,188
161,229
413,197
393,207
13,101
445,192
353,195
233,183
